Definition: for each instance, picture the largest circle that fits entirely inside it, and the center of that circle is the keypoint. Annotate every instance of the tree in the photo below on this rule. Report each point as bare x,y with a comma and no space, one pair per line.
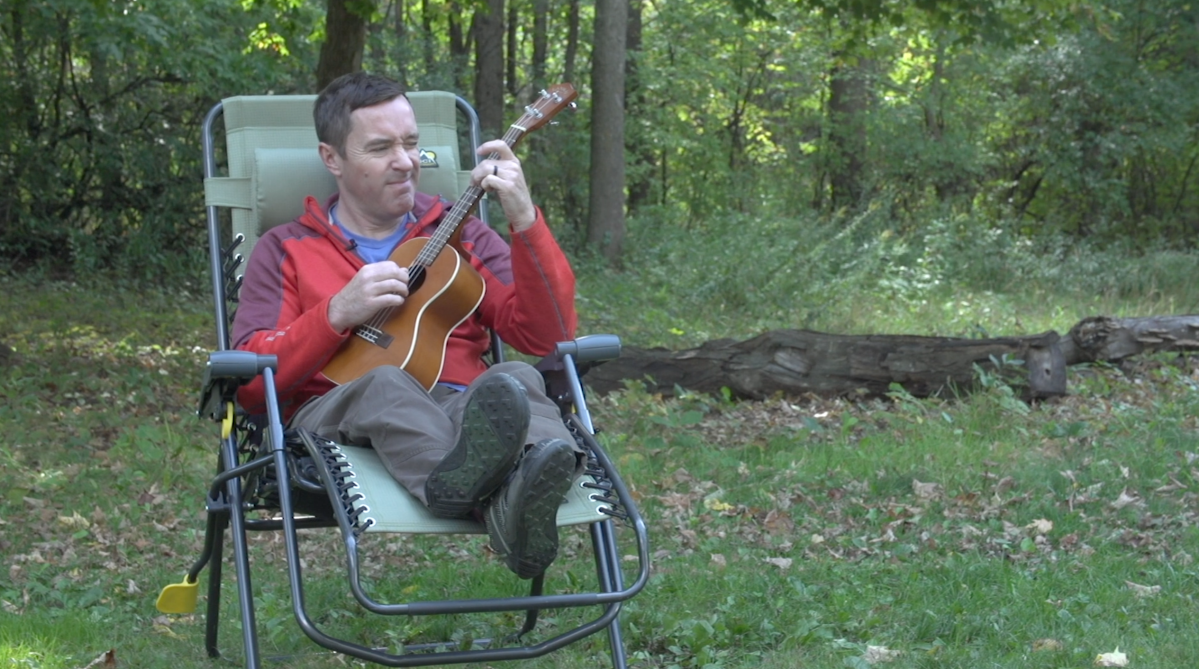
345,37
642,175
606,223
541,9
848,103
488,32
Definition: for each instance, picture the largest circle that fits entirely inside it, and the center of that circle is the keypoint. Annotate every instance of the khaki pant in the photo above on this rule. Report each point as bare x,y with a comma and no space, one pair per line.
413,429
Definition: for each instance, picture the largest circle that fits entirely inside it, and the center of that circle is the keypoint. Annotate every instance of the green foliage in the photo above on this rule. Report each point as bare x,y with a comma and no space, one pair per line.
1101,141
682,286
99,133
1042,121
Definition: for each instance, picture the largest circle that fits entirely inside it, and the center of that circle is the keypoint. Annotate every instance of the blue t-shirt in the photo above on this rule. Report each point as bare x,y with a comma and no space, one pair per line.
374,250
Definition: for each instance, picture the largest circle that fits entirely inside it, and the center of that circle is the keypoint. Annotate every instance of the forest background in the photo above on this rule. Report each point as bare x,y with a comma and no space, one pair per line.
1048,122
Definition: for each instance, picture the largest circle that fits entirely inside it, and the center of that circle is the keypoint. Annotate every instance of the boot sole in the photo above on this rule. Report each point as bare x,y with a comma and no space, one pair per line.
535,514
493,431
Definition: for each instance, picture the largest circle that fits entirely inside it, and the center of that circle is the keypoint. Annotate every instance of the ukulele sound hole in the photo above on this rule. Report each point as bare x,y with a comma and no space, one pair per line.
416,278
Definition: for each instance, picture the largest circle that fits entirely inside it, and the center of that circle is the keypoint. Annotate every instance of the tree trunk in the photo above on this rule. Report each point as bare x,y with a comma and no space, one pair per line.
643,153
400,28
25,91
459,45
1101,338
849,95
345,37
512,50
605,223
796,362
573,178
488,33
572,41
427,41
541,40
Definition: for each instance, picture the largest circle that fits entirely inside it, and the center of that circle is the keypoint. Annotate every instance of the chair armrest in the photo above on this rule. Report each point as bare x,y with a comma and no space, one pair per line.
224,373
590,348
585,352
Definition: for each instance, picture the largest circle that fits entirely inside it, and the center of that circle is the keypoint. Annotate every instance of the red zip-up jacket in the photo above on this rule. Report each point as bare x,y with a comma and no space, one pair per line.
296,268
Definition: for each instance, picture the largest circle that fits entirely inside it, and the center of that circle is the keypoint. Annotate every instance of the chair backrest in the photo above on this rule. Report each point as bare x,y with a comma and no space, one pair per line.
273,161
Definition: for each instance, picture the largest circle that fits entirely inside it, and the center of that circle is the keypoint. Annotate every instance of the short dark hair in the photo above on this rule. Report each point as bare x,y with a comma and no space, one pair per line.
342,96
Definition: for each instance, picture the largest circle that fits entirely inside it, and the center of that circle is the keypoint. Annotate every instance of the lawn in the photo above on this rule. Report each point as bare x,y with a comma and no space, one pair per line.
824,533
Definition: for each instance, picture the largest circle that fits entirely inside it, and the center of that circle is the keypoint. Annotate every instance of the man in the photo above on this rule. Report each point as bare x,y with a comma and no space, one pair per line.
484,440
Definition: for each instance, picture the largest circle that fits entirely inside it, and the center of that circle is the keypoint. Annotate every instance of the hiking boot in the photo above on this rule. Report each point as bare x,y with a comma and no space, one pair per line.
522,518
493,431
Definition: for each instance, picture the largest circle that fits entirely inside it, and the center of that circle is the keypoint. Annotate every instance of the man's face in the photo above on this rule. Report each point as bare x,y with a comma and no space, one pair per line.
377,176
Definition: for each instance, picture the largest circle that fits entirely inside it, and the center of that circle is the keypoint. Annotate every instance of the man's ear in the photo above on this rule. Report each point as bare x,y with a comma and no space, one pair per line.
330,158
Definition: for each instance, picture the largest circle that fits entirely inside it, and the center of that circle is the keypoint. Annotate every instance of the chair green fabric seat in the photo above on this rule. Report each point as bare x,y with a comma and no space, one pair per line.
390,508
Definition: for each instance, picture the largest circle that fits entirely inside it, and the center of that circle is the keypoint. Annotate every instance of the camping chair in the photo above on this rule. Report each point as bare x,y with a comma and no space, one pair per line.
300,481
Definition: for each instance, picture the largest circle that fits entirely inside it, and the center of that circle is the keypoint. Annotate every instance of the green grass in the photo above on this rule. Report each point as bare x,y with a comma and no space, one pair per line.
733,278
790,532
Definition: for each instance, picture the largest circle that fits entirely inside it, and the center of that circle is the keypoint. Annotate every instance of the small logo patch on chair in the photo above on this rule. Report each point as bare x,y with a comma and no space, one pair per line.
428,158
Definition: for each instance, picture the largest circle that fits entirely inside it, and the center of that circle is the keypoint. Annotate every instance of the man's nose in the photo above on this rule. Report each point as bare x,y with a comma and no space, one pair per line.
404,159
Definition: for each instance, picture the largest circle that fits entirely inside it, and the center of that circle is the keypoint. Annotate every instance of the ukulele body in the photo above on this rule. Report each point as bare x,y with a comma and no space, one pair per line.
413,336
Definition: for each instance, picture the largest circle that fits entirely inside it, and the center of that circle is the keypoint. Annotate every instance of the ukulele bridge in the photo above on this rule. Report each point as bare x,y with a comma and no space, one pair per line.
375,336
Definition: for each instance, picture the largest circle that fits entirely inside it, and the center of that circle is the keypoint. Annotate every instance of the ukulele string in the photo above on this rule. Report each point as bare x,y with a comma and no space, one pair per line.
458,212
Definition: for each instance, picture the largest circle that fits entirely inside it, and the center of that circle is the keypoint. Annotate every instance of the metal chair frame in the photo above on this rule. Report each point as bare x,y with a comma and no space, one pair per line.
250,475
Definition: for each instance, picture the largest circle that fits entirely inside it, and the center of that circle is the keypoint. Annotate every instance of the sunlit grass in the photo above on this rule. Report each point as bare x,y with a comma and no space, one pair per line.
791,532
680,287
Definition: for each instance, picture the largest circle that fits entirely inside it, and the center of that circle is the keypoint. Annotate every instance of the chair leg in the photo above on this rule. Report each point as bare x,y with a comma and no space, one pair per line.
607,566
241,562
217,522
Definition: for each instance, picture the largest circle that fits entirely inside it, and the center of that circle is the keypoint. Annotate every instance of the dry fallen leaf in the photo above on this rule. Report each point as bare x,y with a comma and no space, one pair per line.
1112,659
1040,526
879,654
719,561
926,491
1170,487
74,521
681,475
778,522
1047,645
1126,499
781,563
106,659
1142,591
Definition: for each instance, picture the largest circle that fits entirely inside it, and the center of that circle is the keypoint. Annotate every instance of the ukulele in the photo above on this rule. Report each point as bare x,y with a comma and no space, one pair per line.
443,288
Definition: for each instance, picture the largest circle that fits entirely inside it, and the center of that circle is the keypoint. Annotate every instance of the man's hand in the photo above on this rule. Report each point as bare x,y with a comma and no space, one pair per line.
375,287
504,177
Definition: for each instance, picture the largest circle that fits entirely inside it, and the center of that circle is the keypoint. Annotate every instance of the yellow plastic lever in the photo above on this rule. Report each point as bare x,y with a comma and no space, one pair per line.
227,424
179,597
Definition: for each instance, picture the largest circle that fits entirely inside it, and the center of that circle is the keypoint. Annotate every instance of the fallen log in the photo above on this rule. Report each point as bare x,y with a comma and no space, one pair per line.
1106,339
797,362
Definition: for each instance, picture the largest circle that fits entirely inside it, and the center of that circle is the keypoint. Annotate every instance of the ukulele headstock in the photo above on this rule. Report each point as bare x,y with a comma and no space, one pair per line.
552,100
